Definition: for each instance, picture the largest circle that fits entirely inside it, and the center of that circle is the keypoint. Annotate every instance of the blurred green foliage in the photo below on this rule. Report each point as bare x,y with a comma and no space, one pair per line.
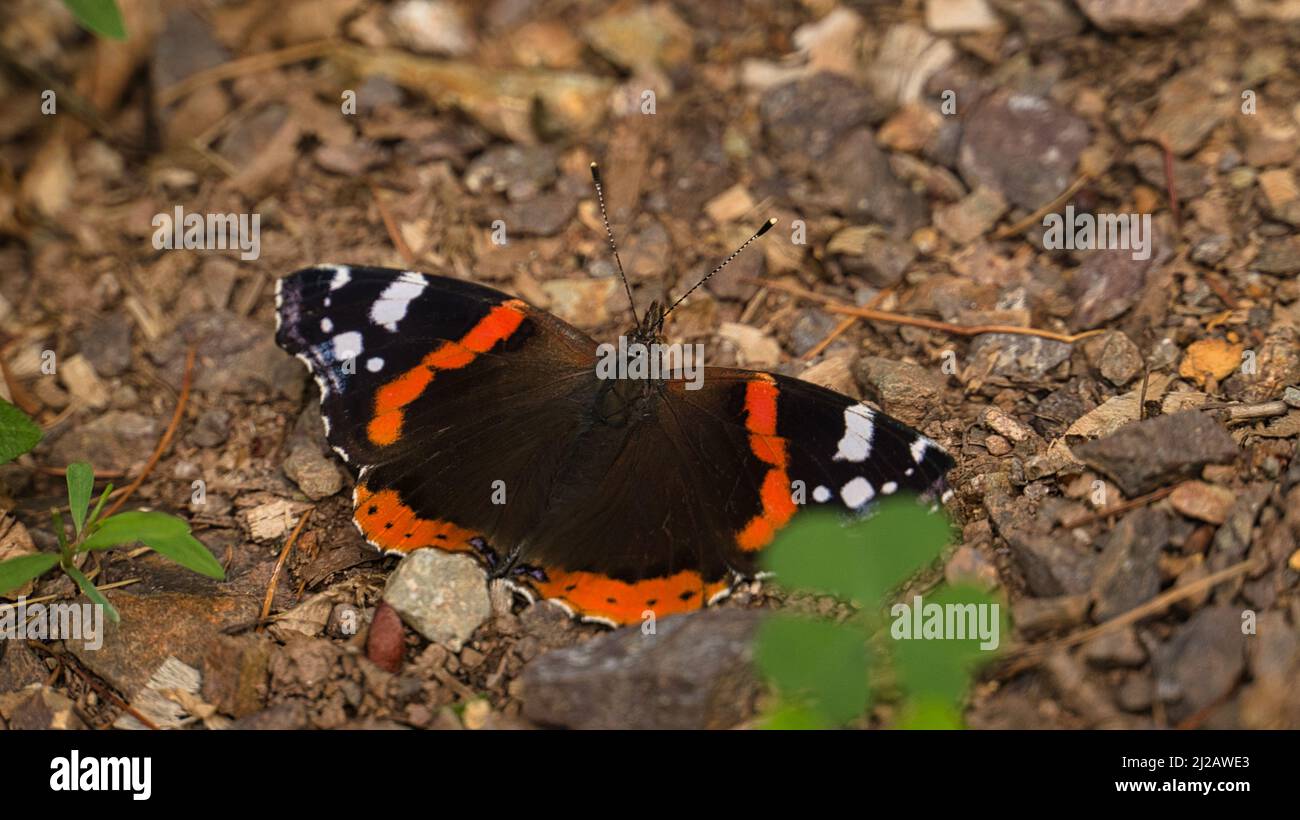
827,674
101,17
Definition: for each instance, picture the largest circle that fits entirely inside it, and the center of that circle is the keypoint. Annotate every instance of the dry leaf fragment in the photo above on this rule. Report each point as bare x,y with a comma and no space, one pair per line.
1210,359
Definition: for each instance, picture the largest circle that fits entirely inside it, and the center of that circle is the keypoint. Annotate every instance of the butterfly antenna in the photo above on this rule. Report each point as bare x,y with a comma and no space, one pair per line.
767,226
604,217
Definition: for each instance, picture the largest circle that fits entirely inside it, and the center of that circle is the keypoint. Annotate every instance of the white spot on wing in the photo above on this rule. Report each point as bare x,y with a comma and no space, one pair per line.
857,492
341,277
374,364
918,449
347,346
326,326
822,494
390,307
889,487
858,428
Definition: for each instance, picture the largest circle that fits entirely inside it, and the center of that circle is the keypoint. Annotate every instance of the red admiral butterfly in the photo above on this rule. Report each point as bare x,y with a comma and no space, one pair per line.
621,495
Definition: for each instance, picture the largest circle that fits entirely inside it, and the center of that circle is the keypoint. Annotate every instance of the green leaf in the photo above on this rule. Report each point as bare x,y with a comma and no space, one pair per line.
863,560
165,534
938,670
17,571
190,553
133,526
794,716
99,16
92,593
821,663
931,713
18,434
81,482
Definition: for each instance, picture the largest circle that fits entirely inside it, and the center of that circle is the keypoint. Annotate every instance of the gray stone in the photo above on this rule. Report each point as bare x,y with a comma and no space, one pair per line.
809,329
860,184
872,254
1051,564
1279,256
1119,648
1233,539
544,215
1201,662
1121,360
117,440
1018,358
906,391
105,341
1137,15
441,595
1043,21
186,47
1143,455
316,475
236,356
287,715
805,119
1109,282
519,172
1129,572
694,672
211,428
1023,146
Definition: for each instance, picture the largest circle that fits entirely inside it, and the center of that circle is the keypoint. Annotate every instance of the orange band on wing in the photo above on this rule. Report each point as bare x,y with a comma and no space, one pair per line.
592,595
778,505
389,524
386,424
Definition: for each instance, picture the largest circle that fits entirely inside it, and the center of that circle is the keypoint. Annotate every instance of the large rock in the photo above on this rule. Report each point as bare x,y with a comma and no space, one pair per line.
155,627
694,672
1142,455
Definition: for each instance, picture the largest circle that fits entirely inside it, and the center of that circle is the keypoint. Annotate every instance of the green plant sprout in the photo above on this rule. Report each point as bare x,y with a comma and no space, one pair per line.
165,534
827,674
101,17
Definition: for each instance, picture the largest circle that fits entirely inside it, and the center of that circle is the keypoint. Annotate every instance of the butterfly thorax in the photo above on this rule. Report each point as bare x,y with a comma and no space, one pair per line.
623,401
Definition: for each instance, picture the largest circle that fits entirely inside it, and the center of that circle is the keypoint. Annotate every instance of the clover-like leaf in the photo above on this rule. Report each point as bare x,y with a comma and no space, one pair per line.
937,668
816,662
860,561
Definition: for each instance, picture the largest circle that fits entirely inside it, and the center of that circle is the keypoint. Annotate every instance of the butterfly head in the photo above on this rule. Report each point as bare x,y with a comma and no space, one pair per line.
650,328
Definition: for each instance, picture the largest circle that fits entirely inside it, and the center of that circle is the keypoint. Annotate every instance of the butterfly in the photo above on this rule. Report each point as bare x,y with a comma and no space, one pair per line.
480,424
